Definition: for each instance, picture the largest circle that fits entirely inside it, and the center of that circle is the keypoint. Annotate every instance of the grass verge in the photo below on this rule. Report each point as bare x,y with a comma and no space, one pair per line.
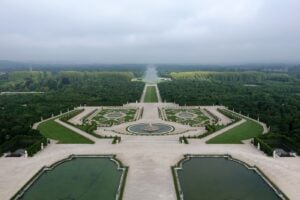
150,96
244,131
63,135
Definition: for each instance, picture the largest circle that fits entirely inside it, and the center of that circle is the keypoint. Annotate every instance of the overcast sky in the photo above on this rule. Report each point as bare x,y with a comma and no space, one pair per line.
154,31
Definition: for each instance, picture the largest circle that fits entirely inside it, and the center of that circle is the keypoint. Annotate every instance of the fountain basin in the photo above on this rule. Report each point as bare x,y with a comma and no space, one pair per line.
221,177
77,177
150,129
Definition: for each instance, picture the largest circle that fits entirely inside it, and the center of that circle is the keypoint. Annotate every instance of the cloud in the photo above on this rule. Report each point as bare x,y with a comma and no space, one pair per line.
193,31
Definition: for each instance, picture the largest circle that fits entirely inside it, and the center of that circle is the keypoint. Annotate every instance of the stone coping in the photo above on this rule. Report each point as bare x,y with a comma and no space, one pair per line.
187,157
113,158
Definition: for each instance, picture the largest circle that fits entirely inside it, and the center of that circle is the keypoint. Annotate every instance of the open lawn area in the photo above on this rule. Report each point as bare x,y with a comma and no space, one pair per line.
55,131
246,130
150,96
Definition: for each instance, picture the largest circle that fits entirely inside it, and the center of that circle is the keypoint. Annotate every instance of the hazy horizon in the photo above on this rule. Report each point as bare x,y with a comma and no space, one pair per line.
160,31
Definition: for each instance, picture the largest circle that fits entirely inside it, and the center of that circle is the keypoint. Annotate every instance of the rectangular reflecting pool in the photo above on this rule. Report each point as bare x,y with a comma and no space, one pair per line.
78,177
209,178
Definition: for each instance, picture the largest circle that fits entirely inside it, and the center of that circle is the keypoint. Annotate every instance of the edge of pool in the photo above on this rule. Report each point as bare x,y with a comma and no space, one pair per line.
112,157
187,157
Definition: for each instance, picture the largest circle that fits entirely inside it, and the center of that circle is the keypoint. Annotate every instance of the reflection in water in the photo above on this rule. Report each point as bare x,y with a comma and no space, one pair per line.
151,74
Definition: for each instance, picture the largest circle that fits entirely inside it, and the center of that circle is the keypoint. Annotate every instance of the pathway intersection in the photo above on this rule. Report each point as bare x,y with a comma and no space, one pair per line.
150,157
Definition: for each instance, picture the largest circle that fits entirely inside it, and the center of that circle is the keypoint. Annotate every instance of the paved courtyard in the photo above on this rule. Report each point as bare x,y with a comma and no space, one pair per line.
149,159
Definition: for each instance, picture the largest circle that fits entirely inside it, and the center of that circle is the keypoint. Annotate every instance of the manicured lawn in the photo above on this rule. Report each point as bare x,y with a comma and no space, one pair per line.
150,95
55,131
246,130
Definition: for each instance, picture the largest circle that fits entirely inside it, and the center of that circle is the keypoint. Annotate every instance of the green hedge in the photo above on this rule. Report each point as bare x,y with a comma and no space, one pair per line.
90,128
263,146
84,119
280,140
183,139
30,143
116,140
209,130
291,144
33,149
70,115
230,115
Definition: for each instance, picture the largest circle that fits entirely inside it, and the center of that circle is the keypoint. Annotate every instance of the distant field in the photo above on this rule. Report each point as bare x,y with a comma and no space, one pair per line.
244,77
246,130
150,96
55,131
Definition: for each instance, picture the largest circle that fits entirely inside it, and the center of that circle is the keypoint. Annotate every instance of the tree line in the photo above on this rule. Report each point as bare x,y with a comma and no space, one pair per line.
275,102
63,90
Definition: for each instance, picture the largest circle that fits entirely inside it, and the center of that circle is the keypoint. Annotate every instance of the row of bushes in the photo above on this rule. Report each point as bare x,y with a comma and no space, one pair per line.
35,147
213,115
116,140
278,141
183,139
230,115
90,128
70,115
85,118
209,130
31,144
213,128
266,148
290,143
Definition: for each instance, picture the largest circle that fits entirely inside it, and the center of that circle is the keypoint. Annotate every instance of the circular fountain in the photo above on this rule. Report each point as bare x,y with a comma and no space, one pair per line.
150,129
186,115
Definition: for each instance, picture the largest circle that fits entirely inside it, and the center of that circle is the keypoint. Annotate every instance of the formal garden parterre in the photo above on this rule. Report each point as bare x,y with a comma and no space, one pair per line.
148,156
187,116
105,117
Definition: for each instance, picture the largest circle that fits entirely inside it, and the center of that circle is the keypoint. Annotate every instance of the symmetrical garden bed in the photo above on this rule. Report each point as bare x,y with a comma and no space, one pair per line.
192,117
110,116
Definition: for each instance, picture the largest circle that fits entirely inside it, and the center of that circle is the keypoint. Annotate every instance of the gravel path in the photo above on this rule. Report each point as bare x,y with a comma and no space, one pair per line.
77,118
149,159
149,174
214,110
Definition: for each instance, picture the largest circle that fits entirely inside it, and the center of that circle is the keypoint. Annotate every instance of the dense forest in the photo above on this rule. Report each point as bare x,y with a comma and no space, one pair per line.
274,97
62,90
11,66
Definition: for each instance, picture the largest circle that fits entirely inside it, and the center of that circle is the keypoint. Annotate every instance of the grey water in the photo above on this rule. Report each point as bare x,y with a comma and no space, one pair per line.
220,178
151,74
82,178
